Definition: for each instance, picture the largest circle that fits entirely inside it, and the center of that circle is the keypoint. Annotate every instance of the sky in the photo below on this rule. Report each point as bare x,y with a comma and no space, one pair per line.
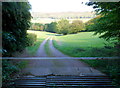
47,6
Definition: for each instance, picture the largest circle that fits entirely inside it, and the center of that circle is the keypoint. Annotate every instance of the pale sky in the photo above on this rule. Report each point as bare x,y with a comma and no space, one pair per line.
47,6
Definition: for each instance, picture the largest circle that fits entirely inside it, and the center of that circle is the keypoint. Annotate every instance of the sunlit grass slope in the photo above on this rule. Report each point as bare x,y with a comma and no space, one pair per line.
84,44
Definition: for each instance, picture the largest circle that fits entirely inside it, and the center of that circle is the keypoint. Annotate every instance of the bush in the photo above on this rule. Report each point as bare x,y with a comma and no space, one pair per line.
16,20
31,38
51,27
8,69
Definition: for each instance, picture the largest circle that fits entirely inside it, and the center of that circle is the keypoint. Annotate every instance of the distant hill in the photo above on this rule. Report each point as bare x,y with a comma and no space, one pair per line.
63,14
51,17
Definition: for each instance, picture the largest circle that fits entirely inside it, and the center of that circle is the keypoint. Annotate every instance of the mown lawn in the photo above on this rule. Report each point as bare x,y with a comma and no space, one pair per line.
84,44
41,35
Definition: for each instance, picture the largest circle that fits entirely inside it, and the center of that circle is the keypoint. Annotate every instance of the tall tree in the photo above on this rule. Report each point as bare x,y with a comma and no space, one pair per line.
108,25
89,24
15,22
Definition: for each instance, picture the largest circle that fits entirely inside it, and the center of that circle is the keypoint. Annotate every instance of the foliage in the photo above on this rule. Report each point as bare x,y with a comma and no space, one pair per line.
108,25
11,69
31,39
89,24
110,67
8,69
52,27
76,26
63,27
37,26
16,20
21,64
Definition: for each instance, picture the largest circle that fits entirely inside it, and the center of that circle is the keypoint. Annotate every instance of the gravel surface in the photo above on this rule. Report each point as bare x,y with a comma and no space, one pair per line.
41,50
40,67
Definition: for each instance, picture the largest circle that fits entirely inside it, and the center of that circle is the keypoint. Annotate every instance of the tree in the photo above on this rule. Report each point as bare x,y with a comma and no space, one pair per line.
76,26
15,22
108,25
37,26
63,27
52,27
89,24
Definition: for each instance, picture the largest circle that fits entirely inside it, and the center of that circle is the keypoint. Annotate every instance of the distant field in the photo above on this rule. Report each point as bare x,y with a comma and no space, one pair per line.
84,44
48,20
44,18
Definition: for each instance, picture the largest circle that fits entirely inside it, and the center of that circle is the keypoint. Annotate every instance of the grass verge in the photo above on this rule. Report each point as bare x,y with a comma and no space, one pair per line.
47,50
11,68
84,44
111,67
32,49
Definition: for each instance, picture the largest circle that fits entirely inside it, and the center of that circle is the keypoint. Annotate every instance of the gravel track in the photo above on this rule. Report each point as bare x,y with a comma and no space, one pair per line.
41,50
42,67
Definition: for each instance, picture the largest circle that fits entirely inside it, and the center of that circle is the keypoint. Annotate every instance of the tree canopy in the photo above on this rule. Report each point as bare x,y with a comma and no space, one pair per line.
108,25
76,26
52,27
65,27
15,22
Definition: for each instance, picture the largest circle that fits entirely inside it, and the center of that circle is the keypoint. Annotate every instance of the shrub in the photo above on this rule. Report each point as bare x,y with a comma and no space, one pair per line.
8,69
31,38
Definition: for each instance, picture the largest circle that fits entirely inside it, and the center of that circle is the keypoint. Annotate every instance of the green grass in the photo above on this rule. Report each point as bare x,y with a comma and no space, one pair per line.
32,49
22,64
84,44
40,37
11,68
110,67
47,50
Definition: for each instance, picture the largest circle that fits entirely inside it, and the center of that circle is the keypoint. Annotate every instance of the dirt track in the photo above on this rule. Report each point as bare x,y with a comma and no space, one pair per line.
57,66
41,50
54,51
